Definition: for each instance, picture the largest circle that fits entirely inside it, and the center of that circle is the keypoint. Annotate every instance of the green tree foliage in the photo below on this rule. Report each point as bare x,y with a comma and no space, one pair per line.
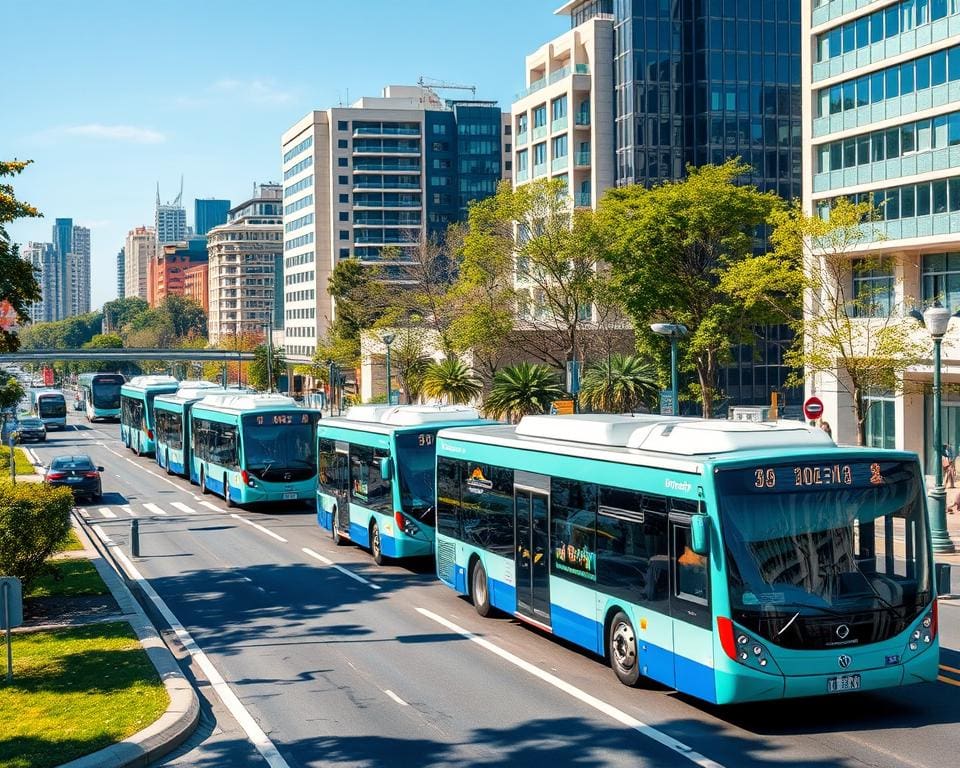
852,340
18,283
450,381
71,333
102,341
186,317
409,360
117,314
34,523
257,372
522,389
11,393
619,384
681,250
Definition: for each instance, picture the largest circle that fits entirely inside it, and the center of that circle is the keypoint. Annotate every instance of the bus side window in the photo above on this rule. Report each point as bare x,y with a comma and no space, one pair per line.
449,474
690,569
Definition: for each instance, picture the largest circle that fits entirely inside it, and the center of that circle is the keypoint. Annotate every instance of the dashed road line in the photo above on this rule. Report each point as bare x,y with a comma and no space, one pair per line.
396,698
107,512
154,509
571,690
260,528
214,507
126,508
183,507
344,571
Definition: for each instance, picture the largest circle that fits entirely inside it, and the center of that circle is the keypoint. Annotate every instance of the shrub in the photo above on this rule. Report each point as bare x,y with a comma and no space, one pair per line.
34,523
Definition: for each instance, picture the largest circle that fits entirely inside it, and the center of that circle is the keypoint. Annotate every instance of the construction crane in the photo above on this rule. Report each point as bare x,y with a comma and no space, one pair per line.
433,84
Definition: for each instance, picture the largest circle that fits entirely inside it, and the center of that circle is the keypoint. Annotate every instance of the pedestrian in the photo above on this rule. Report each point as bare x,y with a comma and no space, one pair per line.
949,466
825,426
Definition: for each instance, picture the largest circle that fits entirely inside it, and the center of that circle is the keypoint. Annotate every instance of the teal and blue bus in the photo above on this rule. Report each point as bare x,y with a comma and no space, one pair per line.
172,424
101,395
136,410
731,561
252,448
376,480
50,406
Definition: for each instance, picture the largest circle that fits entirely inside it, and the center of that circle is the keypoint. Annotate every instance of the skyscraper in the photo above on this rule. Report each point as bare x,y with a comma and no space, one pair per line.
381,173
78,273
208,214
43,258
170,220
62,244
139,251
121,278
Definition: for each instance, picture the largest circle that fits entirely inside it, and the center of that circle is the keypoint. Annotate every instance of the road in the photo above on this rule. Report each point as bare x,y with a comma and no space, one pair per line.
340,662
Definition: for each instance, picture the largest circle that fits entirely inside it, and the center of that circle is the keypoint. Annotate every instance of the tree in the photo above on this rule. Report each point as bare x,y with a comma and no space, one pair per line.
450,380
257,372
101,341
18,283
409,361
186,316
11,393
522,389
117,314
619,384
856,338
675,250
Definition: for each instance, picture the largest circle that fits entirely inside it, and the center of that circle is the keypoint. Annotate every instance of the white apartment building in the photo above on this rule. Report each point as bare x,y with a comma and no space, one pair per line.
43,258
881,122
139,250
78,273
170,219
245,268
379,174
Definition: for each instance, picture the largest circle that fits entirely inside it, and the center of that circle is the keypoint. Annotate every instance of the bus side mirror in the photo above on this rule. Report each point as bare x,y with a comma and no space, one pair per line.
700,534
385,472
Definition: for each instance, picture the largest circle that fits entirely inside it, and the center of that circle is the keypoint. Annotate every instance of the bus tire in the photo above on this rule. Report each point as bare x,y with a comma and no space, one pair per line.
623,650
226,493
376,549
338,538
137,449
480,589
167,464
203,483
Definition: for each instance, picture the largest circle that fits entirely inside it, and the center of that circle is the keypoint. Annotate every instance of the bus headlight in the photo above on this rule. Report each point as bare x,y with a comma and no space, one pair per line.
922,637
741,647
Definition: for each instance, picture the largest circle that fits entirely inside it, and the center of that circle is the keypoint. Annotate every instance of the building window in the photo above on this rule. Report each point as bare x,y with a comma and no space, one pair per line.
344,234
539,153
941,279
521,123
521,161
507,165
343,125
873,287
507,129
560,146
558,108
344,216
342,162
344,198
342,143
540,116
881,425
343,179
344,253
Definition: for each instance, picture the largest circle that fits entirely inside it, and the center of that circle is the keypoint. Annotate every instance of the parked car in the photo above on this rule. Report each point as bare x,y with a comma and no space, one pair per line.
31,428
78,473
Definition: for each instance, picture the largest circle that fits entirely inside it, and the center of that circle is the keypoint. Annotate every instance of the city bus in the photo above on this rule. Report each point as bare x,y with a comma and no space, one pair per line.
376,480
732,561
136,410
50,406
252,448
171,414
101,395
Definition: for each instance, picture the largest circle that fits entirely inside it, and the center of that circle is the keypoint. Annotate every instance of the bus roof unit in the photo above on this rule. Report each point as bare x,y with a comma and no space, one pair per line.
247,402
142,382
410,415
192,395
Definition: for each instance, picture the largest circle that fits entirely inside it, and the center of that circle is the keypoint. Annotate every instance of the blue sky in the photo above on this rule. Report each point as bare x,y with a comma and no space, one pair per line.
109,97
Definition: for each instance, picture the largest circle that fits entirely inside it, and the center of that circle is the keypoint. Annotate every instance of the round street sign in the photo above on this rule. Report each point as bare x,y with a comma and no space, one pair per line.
813,407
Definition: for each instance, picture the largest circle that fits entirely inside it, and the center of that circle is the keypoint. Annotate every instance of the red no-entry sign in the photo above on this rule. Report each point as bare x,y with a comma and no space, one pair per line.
813,407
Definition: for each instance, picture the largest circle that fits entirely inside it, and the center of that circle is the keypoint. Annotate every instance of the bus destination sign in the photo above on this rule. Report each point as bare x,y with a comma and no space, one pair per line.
802,476
282,419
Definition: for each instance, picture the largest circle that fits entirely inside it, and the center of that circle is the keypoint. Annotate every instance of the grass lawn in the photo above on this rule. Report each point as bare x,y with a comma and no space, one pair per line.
75,691
73,543
24,467
77,578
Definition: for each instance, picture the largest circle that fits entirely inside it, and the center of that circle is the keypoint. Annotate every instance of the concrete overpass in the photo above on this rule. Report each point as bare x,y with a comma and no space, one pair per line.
128,355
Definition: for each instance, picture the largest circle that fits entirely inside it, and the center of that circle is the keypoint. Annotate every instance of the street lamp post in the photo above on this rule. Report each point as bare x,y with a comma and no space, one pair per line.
675,332
936,319
270,355
388,340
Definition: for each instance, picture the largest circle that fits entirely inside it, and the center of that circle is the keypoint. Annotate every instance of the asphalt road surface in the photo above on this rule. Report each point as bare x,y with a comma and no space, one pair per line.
326,659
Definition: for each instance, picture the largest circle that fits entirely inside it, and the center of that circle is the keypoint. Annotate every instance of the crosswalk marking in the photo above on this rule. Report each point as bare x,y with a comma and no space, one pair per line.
183,507
214,507
155,509
107,512
126,508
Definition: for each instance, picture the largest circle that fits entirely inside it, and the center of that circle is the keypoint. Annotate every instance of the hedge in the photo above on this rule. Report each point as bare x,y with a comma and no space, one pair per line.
34,523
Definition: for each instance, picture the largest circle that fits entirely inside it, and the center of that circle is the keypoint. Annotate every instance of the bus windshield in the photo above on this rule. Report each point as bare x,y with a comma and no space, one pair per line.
280,447
106,394
824,555
52,407
416,472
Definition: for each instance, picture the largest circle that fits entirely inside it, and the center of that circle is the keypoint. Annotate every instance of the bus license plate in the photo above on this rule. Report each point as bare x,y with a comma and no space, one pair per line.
843,683
289,494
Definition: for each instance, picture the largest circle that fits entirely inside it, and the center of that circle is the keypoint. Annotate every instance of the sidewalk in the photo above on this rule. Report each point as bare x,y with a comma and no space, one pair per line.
183,712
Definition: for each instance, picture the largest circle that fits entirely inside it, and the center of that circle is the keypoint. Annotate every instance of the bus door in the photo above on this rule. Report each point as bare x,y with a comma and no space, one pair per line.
689,606
341,485
531,503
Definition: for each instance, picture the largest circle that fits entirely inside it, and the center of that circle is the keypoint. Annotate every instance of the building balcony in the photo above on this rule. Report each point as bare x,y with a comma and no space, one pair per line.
393,204
540,133
378,130
583,200
539,170
553,77
582,120
582,158
366,167
523,175
560,124
369,152
559,164
521,138
381,186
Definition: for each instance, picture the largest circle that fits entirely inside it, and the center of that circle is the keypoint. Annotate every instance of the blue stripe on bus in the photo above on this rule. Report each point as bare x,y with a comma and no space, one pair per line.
502,596
176,467
388,545
359,535
695,678
585,632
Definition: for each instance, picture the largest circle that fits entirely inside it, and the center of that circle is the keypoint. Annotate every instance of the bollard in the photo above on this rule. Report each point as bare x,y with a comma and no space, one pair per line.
135,538
942,579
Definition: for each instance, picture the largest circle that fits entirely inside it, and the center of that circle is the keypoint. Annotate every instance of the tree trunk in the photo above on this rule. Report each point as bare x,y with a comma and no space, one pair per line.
706,374
859,416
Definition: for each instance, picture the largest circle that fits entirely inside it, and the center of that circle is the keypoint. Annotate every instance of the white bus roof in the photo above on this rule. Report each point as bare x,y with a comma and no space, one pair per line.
410,415
198,384
38,391
193,394
142,382
236,403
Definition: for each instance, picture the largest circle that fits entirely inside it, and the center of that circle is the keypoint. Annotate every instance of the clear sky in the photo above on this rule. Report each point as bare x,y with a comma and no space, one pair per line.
110,97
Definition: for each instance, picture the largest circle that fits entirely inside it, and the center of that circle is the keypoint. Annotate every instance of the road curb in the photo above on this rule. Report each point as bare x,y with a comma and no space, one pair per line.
183,714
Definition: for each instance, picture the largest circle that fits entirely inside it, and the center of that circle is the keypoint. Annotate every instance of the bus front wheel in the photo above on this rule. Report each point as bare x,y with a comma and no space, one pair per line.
335,530
167,462
623,650
375,547
226,493
203,483
480,590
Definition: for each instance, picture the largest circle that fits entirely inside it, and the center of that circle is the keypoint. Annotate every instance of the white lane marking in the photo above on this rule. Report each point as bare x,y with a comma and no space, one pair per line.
126,508
86,515
107,512
183,507
396,698
230,700
154,509
260,528
601,706
344,571
214,507
103,537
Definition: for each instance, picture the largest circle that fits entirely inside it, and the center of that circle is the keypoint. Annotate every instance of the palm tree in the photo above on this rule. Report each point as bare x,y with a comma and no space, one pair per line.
521,389
619,384
450,380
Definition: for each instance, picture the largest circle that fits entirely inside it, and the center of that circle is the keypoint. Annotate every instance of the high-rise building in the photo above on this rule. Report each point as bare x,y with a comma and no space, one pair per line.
43,258
881,123
140,250
62,244
121,278
245,274
196,284
170,219
78,273
166,273
209,213
380,174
